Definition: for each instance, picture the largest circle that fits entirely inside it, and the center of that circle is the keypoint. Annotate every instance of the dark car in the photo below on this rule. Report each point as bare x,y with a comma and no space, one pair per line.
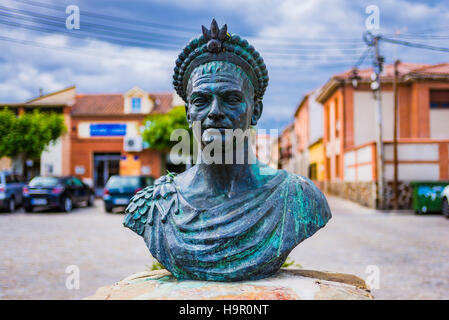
11,185
120,189
57,192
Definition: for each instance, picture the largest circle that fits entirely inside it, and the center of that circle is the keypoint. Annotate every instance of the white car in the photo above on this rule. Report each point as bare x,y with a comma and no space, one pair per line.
445,204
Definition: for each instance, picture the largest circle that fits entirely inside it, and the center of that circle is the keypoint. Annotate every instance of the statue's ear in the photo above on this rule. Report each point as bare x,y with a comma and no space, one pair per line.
186,106
257,112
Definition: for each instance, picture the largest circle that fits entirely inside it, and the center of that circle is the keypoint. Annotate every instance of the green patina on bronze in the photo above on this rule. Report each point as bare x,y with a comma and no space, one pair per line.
225,222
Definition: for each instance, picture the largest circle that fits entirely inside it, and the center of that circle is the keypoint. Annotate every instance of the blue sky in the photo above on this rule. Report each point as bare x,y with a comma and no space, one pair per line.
303,42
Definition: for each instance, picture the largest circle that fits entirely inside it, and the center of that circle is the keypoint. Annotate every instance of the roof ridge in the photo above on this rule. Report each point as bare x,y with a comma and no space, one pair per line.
430,66
51,94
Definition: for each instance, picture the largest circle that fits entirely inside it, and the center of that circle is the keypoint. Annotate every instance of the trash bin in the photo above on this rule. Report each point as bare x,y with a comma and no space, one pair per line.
427,195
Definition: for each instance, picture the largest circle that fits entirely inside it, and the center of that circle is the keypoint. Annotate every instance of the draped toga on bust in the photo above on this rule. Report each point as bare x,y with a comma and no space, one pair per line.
247,237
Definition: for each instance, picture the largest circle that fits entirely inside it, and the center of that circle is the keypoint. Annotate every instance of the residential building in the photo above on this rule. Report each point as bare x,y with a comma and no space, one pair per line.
349,135
104,134
263,148
308,130
287,144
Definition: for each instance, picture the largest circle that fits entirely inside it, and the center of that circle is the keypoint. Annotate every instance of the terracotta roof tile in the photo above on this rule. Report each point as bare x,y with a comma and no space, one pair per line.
438,69
163,102
404,68
113,104
98,104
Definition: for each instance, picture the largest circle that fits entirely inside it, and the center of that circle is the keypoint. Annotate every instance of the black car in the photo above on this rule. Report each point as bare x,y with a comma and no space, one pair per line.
56,192
120,189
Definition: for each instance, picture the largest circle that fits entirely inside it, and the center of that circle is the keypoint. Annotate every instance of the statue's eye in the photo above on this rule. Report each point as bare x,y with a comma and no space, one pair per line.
199,100
233,99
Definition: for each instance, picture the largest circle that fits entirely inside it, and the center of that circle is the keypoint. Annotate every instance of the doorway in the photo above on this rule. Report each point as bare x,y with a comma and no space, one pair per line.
105,165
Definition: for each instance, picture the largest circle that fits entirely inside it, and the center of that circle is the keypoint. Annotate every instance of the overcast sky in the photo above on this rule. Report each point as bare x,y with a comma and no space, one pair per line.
303,42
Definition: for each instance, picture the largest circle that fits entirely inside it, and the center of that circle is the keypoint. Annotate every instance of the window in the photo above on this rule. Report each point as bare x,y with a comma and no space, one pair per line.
9,178
313,172
439,99
135,104
77,182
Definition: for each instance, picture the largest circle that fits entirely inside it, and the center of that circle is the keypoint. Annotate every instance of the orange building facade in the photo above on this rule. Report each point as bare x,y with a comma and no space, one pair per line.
349,134
104,134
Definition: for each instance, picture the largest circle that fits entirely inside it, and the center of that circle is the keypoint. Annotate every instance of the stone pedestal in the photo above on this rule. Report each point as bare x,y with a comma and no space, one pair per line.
287,284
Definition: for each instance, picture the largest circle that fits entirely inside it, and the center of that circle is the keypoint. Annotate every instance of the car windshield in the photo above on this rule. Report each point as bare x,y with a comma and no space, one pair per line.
122,182
44,182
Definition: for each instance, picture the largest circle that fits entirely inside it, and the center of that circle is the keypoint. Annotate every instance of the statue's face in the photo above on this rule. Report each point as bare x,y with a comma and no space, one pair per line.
221,98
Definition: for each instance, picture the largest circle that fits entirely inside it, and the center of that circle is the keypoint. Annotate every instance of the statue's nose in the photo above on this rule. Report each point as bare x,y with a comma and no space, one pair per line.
215,112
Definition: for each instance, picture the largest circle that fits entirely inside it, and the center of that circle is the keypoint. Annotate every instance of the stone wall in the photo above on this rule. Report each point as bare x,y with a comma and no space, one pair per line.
365,193
405,191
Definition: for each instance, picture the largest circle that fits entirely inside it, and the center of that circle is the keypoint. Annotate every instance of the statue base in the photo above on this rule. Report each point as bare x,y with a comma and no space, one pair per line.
287,284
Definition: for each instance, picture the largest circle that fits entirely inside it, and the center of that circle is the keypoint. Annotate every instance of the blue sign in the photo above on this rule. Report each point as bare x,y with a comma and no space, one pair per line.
107,129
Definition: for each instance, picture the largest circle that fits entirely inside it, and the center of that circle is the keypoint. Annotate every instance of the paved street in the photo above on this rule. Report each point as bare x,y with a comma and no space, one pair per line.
411,252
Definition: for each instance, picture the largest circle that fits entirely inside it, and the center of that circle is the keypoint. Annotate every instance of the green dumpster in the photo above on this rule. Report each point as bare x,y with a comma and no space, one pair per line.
427,195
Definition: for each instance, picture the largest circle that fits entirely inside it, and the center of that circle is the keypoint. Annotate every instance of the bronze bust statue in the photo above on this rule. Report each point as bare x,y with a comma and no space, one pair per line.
225,221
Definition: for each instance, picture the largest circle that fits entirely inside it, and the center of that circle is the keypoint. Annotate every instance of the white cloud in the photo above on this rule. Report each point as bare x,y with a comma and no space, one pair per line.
94,66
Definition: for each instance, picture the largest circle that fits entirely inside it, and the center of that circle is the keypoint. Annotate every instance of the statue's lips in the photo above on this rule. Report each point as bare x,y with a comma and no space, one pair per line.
210,134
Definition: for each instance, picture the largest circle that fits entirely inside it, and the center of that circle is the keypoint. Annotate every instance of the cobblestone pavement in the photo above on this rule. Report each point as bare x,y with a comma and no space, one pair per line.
411,252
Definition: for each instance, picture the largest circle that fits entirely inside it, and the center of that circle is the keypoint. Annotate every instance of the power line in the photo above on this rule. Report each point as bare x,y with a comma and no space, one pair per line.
363,57
107,17
178,28
81,36
155,43
414,45
24,14
75,50
137,34
71,49
134,34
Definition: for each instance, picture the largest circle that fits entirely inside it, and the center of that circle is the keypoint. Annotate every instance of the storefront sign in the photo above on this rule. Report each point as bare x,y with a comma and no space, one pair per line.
107,129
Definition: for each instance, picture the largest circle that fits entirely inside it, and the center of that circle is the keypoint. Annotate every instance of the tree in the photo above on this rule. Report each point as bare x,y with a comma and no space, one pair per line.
158,128
27,136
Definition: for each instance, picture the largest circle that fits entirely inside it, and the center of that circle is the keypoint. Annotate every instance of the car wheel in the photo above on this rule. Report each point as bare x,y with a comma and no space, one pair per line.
108,208
11,205
91,200
445,207
67,204
28,209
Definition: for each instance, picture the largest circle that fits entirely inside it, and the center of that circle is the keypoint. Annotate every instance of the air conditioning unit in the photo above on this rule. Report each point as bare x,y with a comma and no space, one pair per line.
133,144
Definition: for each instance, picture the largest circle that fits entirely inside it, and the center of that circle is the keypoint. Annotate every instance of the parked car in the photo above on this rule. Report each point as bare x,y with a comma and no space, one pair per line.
445,204
120,189
11,185
57,192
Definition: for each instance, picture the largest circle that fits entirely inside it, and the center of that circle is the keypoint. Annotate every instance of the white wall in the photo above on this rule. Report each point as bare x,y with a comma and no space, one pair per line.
361,172
365,116
414,171
413,151
439,123
315,118
52,158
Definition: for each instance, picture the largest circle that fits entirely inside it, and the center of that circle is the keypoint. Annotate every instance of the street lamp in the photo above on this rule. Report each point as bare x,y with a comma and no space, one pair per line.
355,78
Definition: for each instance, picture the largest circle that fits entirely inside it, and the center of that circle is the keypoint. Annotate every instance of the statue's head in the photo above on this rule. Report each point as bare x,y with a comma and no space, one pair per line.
222,79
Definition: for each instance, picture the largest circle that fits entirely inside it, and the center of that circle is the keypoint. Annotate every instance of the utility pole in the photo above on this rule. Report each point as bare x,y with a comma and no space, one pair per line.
395,136
376,87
